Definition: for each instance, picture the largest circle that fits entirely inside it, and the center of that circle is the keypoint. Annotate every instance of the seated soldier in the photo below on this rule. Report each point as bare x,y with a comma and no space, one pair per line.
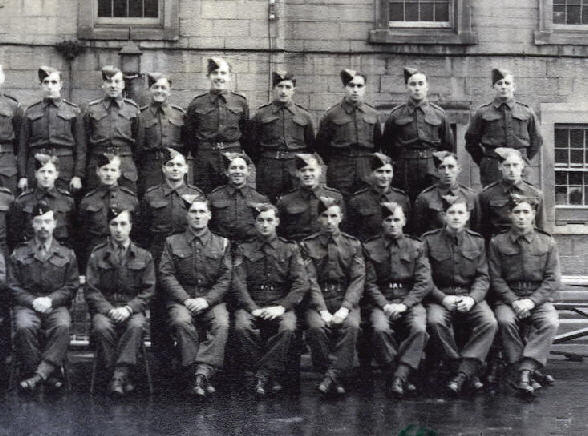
42,278
270,281
525,273
120,281
336,270
460,276
398,276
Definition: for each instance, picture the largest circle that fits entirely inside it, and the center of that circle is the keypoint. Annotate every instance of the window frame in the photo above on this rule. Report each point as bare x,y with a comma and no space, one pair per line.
549,33
425,24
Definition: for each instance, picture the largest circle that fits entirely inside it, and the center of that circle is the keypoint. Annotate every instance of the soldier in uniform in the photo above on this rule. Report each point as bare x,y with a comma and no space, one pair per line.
111,126
349,133
6,204
215,123
525,274
233,204
42,279
52,126
278,131
95,205
120,281
299,208
502,123
398,277
428,206
336,271
10,122
195,275
460,275
161,125
413,131
269,279
364,218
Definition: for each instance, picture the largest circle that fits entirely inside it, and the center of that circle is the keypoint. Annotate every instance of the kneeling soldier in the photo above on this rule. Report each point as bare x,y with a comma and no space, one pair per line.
270,281
120,280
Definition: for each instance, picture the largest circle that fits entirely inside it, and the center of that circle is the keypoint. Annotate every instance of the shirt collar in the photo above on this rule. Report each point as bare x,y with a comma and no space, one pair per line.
167,189
498,101
42,192
156,107
232,190
444,190
350,107
514,236
272,241
453,238
114,244
214,95
49,245
506,186
107,101
277,106
204,238
52,101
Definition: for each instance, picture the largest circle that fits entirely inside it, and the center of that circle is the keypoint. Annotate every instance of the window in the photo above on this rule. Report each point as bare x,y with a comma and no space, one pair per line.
419,13
571,164
128,9
562,22
570,12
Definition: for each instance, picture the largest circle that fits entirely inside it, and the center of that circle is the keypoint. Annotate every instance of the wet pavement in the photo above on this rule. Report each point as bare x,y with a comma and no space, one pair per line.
558,410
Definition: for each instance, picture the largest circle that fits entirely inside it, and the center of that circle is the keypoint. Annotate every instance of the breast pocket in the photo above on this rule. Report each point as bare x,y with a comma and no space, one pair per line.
521,125
183,261
234,114
6,130
123,124
439,258
296,209
64,122
299,123
344,129
433,122
136,271
175,134
96,217
38,125
469,262
368,125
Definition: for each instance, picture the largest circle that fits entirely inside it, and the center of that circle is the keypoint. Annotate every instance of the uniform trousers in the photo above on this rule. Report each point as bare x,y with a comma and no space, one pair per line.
117,344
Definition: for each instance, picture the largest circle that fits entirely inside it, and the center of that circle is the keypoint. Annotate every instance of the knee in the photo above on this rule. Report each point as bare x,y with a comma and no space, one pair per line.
181,324
136,323
551,323
490,323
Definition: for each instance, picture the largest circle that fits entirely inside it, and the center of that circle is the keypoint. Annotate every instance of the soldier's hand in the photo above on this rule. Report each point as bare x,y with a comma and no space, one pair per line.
465,303
117,314
257,312
326,316
272,312
190,303
340,315
520,309
200,304
450,303
75,184
42,304
389,309
23,183
528,304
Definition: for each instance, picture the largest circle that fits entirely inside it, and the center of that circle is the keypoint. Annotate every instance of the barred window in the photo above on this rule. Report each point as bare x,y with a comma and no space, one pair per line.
128,8
420,13
570,12
571,164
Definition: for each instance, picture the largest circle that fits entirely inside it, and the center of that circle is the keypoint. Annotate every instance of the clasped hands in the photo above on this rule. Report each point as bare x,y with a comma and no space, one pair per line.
335,318
120,314
43,304
460,303
196,305
395,310
523,307
269,312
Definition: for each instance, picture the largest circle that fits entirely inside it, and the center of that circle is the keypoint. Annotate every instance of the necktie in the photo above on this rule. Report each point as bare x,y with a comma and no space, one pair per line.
120,254
507,125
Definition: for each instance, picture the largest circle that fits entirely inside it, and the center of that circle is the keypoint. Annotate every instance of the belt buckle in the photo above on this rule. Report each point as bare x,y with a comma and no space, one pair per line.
219,145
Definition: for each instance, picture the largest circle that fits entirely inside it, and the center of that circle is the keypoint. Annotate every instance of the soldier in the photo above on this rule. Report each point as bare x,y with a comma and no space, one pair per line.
336,271
398,277
349,133
215,123
53,126
502,123
6,203
413,131
195,275
42,279
278,131
120,281
59,200
460,275
428,207
95,205
299,208
161,125
270,281
10,122
111,126
364,218
525,273
233,205
494,199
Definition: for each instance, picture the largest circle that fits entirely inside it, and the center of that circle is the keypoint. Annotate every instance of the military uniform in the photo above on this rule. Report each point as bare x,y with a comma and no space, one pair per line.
160,126
411,134
55,127
267,272
197,267
428,207
215,123
277,132
111,282
501,124
299,211
10,122
525,266
111,126
6,202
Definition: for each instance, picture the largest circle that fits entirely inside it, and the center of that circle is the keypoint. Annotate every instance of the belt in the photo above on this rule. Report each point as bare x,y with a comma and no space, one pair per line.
264,288
119,150
281,154
416,153
6,148
524,286
220,145
395,285
53,151
353,150
454,290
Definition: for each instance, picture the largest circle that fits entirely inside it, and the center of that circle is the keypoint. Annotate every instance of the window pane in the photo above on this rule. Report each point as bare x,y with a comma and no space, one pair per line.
561,178
576,138
396,12
427,11
412,12
561,195
104,8
120,8
585,14
135,8
559,15
576,178
577,156
442,12
561,156
574,15
151,8
561,138
576,195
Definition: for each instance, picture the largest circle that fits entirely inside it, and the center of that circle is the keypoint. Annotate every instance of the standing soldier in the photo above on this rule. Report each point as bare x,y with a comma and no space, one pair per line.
525,273
299,209
336,271
349,133
270,281
161,126
53,126
42,279
502,123
111,126
413,131
428,208
10,121
120,280
195,275
364,217
278,131
398,277
215,123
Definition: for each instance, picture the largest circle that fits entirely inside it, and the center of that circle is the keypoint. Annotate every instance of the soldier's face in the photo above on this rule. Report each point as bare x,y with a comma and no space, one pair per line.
237,172
175,169
457,216
109,174
198,215
113,86
382,176
505,87
309,175
160,90
51,85
512,168
46,176
43,225
330,219
523,217
120,227
284,91
393,225
448,171
417,87
355,89
220,78
267,222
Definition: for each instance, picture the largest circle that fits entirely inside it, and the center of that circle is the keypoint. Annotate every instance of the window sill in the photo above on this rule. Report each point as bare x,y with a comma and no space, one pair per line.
422,37
561,37
122,33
